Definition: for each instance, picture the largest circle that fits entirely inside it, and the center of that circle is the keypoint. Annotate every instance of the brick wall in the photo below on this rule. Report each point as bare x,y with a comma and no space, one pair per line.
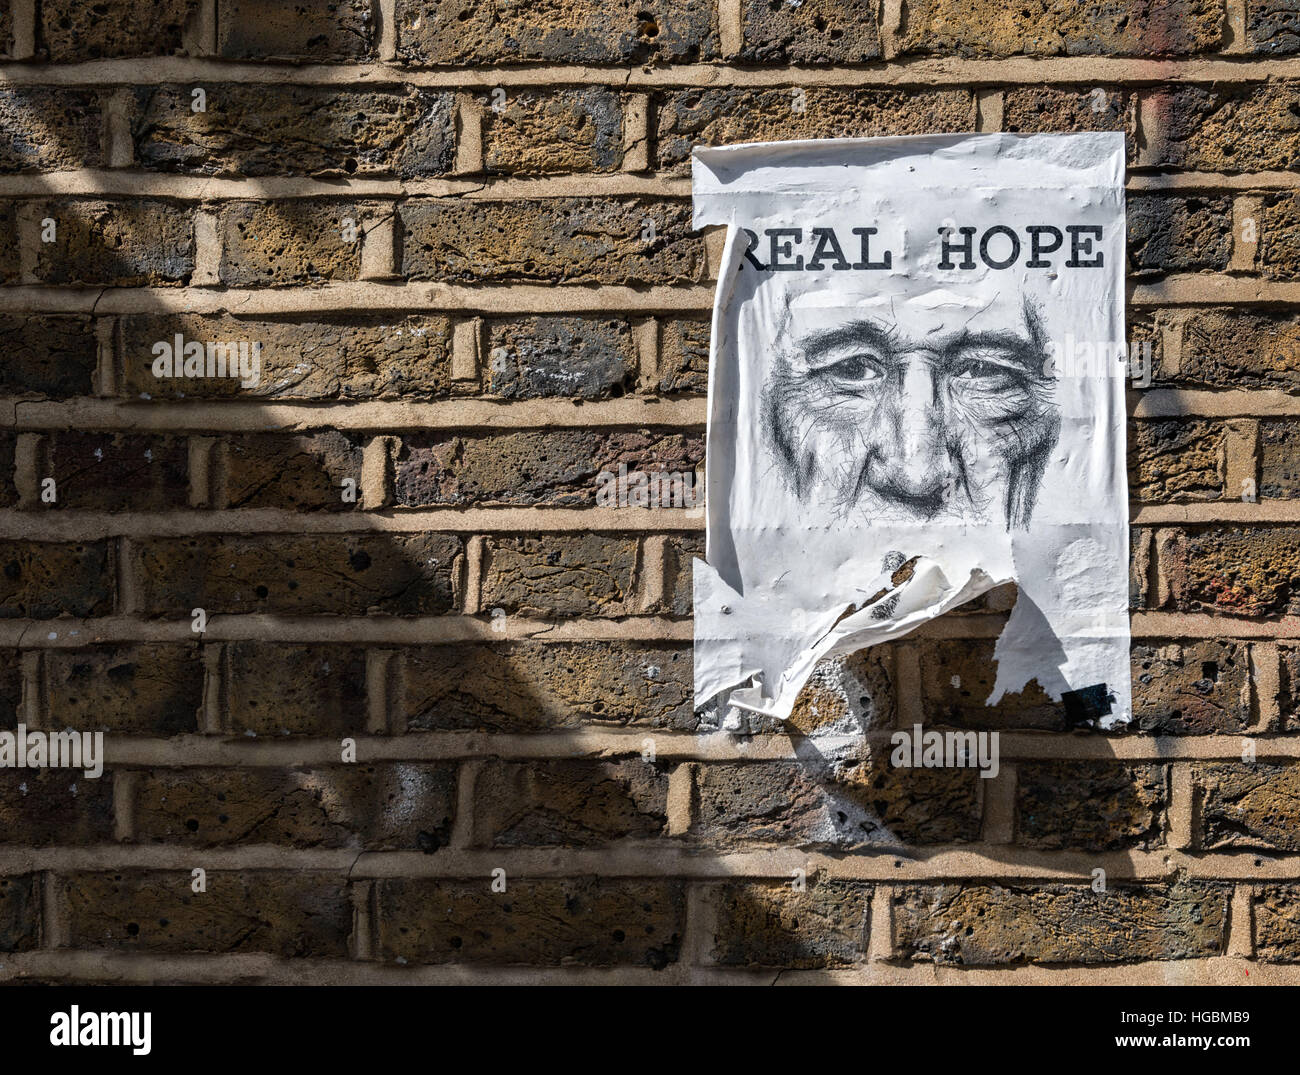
433,216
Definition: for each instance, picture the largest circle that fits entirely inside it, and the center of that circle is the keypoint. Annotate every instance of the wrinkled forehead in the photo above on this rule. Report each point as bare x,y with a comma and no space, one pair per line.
921,319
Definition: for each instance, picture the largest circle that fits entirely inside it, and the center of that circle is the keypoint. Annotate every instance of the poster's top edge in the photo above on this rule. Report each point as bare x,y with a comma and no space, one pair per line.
1079,160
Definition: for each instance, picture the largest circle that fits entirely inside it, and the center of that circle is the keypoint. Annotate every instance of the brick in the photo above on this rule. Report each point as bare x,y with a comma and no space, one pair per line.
290,243
684,357
259,130
1244,571
1044,28
768,924
1273,26
574,357
401,807
561,240
1191,688
1177,460
117,471
532,686
569,803
394,357
8,489
990,925
10,270
1279,237
957,678
138,243
1057,109
1237,349
303,472
132,689
11,688
20,913
1237,129
55,807
388,573
46,355
1090,806
1248,805
279,689
6,29
1279,474
1277,923
687,118
337,31
582,921
50,130
71,30
41,580
1168,234
560,131
461,32
857,692
817,31
561,575
299,914
1290,686
553,468
785,803
680,554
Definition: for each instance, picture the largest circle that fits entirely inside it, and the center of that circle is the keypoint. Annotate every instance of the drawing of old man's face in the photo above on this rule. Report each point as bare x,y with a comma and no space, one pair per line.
922,415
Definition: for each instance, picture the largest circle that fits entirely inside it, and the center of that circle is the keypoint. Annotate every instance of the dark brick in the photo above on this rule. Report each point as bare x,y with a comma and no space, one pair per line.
1277,923
20,914
1239,349
47,355
49,130
401,807
42,580
957,678
8,489
1237,129
117,471
353,574
553,132
680,554
143,688
336,31
462,32
280,689
55,807
259,130
303,472
1245,571
990,925
1279,469
1273,26
299,914
817,31
333,358
1168,234
1091,806
1248,805
1044,28
562,240
684,357
569,803
71,30
290,243
769,924
688,118
531,686
11,687
575,357
583,921
1056,109
1192,688
561,575
552,468
10,270
1279,237
119,244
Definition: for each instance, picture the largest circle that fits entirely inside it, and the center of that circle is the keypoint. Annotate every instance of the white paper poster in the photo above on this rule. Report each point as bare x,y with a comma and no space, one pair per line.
917,363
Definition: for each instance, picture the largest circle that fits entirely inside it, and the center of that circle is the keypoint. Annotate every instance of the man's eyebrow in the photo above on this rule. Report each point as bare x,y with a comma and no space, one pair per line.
817,344
1020,349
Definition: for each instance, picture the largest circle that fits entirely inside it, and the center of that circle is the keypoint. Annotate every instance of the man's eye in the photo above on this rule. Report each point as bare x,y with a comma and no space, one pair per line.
979,373
853,368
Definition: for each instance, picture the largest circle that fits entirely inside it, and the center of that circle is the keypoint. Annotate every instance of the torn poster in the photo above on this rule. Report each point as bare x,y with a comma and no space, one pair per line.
916,394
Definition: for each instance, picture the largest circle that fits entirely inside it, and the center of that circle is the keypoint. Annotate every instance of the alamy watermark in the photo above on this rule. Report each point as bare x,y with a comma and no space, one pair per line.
648,489
213,358
21,749
919,749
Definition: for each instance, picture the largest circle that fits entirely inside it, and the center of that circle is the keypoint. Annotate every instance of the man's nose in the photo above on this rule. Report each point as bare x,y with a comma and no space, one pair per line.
917,466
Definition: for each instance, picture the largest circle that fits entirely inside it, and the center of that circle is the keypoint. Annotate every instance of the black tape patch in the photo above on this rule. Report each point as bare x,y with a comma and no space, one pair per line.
1087,705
